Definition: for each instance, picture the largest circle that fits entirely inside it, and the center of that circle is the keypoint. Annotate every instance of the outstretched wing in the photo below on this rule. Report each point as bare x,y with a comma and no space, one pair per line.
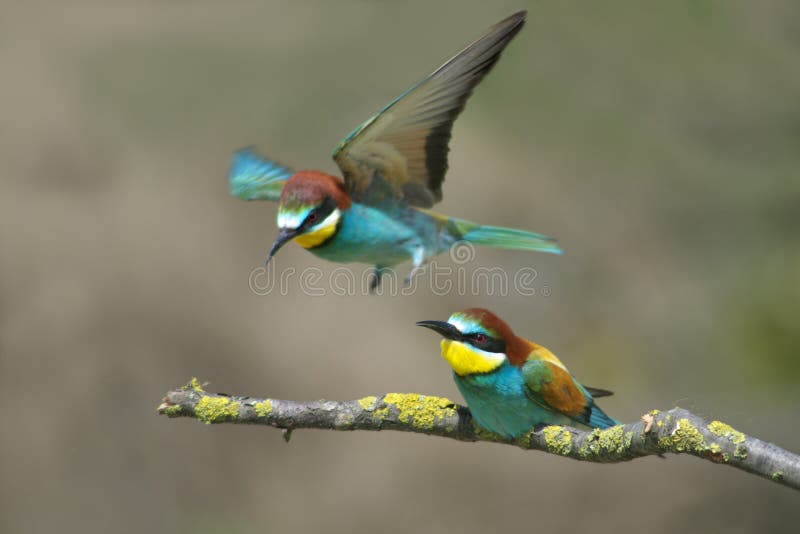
401,152
251,177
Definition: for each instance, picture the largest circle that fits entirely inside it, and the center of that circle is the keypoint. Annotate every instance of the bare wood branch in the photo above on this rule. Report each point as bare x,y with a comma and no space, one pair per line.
674,431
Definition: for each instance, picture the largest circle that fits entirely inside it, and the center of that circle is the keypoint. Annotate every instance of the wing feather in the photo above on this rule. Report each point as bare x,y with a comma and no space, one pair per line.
552,386
401,152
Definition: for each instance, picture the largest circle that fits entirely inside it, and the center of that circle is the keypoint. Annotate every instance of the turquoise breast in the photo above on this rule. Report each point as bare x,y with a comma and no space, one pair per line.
498,402
380,237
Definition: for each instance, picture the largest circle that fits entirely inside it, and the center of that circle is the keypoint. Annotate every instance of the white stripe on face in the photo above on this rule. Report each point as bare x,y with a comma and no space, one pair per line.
330,220
465,327
290,220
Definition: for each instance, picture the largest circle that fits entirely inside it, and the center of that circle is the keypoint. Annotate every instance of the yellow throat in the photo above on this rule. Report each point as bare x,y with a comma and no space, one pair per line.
321,232
467,360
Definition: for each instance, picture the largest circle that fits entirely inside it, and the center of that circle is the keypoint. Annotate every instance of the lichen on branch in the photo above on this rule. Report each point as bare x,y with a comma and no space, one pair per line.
675,431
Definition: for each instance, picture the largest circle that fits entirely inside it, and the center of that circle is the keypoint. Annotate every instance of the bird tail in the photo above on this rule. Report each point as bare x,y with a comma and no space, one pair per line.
511,238
597,392
252,177
599,419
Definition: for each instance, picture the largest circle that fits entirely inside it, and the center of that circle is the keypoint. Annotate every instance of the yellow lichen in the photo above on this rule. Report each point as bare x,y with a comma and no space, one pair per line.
194,385
263,408
654,412
173,410
524,440
488,435
216,409
685,438
380,413
718,428
740,452
367,403
777,476
417,410
612,440
615,439
590,445
558,439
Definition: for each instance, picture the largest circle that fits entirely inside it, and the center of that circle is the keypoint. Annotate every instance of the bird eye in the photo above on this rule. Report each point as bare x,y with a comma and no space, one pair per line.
312,216
480,338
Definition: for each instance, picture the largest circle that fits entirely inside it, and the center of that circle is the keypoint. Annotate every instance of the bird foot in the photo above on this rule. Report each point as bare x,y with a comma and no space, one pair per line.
410,278
375,279
374,282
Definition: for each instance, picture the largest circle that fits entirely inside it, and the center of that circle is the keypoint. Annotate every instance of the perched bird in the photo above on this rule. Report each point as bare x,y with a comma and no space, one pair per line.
511,384
393,167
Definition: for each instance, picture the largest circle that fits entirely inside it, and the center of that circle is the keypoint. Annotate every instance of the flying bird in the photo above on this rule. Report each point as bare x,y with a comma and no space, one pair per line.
511,384
393,167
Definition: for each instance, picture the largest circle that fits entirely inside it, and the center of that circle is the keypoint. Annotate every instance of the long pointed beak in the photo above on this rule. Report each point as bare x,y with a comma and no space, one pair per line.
285,235
444,329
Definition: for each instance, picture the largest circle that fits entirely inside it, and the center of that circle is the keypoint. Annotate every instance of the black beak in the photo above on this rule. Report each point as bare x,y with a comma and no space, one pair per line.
442,328
284,237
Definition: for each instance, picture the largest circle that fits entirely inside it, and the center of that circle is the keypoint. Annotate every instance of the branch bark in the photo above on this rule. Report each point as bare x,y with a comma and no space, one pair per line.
675,431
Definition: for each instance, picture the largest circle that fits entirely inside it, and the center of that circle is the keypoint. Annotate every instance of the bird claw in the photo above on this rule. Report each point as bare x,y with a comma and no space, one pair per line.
410,278
375,279
374,282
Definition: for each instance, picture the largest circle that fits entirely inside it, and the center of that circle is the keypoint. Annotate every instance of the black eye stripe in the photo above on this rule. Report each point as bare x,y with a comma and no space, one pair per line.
322,212
490,344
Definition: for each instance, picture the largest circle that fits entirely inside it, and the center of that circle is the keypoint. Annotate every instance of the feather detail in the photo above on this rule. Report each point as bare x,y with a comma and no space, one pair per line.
401,152
251,177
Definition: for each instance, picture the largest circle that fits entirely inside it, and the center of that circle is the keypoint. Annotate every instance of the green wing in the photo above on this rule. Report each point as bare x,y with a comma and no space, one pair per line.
552,386
402,151
251,177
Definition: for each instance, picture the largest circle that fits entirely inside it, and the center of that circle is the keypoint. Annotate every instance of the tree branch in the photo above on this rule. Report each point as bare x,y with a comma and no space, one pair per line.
676,431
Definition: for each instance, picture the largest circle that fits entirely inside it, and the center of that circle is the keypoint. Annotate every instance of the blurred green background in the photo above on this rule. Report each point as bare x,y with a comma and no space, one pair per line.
660,142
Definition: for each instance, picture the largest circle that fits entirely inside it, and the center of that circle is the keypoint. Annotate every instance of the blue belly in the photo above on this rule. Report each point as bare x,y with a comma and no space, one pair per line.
378,237
498,402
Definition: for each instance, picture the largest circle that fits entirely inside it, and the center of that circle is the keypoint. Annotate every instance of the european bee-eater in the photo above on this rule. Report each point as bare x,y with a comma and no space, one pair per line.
393,167
511,384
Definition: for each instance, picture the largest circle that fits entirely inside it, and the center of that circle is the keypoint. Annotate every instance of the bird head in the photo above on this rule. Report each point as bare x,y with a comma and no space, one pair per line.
310,209
475,341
